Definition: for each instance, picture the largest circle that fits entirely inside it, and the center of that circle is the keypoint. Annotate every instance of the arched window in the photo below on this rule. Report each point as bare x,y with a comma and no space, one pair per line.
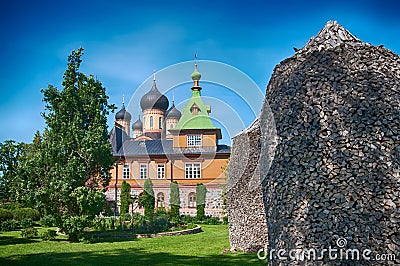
160,122
160,199
151,122
192,200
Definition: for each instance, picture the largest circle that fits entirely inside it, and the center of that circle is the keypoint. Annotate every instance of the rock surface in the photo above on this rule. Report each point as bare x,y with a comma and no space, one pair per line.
336,170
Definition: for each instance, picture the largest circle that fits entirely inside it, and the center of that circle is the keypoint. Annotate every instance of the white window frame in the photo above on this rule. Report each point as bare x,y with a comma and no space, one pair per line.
160,204
192,170
161,171
192,204
193,140
126,171
143,171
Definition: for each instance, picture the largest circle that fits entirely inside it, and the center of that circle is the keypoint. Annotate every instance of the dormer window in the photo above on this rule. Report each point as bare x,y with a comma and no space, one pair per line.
193,140
194,109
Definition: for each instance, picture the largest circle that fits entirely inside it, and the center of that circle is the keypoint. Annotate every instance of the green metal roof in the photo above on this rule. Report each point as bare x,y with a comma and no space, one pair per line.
189,120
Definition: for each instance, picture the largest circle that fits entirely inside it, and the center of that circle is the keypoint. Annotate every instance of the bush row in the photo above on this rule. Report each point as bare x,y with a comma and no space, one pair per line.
19,214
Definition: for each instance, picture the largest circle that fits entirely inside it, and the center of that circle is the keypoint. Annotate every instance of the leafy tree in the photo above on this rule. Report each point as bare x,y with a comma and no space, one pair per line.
125,197
201,192
90,202
29,181
10,156
147,199
175,201
76,151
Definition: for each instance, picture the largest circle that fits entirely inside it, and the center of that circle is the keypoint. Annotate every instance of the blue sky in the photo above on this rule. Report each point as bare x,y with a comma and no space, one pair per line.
125,41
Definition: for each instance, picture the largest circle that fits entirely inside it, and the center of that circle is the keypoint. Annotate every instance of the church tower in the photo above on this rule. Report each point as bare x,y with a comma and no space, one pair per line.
123,118
154,105
173,116
137,128
195,128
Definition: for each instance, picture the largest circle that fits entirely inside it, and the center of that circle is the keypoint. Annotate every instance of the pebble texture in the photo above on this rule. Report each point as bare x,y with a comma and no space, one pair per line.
245,207
335,173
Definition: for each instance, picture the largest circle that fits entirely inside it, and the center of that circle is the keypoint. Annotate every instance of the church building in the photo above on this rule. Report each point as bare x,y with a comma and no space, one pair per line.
170,145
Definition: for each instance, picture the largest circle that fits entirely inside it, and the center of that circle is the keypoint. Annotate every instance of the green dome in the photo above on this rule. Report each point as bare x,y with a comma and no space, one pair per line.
196,74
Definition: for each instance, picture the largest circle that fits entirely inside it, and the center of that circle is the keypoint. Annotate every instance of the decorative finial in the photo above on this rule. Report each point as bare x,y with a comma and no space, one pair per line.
123,99
154,75
195,59
173,98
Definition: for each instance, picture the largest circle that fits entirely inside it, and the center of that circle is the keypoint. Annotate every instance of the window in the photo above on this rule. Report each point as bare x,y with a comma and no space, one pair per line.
160,199
151,122
195,109
192,170
144,122
160,122
125,171
194,140
192,200
143,171
161,171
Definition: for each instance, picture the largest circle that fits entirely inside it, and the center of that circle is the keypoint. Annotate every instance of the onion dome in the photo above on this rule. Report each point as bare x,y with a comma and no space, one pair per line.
154,99
196,74
174,112
123,114
138,125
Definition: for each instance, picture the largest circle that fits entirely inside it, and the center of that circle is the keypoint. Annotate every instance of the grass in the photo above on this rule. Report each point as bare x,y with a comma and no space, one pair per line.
198,249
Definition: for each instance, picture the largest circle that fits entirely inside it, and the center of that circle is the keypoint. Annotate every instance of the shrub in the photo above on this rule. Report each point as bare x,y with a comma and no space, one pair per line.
5,215
225,219
9,225
213,220
29,232
201,192
24,213
175,201
111,224
26,223
74,227
188,219
48,235
47,221
125,198
160,211
99,224
146,199
126,217
159,224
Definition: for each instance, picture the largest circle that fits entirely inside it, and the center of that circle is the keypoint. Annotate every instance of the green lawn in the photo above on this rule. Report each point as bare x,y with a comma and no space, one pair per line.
197,249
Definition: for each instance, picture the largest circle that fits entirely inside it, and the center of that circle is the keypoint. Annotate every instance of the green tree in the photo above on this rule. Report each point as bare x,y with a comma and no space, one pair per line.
29,182
90,201
125,198
147,199
174,200
11,154
76,150
201,192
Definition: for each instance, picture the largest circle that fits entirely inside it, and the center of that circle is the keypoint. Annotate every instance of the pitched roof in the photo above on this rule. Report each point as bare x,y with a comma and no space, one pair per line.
163,147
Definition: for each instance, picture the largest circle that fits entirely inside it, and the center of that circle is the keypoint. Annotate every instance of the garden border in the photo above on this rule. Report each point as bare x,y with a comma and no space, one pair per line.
195,230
